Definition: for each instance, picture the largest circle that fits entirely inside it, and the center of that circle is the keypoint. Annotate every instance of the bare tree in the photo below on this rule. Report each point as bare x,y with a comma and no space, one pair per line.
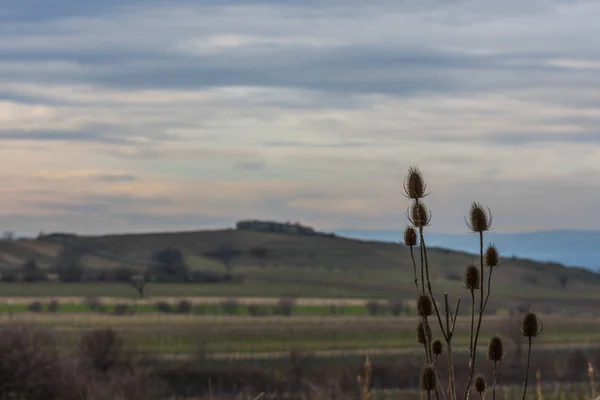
224,253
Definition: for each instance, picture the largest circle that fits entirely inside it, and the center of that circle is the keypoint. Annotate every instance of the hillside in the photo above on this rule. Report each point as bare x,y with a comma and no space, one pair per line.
571,248
319,265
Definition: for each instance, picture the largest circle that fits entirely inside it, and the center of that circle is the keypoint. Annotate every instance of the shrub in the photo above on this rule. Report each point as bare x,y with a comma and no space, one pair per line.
53,305
184,307
8,277
256,311
285,306
230,306
29,366
93,303
163,306
35,306
101,349
375,308
396,307
121,309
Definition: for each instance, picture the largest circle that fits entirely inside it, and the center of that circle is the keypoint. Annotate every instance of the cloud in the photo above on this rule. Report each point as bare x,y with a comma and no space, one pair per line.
145,114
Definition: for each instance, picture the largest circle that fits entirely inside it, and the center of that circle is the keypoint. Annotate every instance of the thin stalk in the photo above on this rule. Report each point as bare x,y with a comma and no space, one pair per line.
412,256
435,307
527,368
448,338
481,309
495,381
472,322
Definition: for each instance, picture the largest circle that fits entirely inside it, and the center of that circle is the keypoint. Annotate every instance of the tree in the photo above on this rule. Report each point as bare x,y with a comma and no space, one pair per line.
224,253
31,272
69,266
168,265
563,279
139,284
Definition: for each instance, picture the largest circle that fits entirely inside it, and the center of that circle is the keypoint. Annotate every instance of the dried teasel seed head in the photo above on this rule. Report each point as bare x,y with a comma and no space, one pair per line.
472,277
423,333
437,347
419,215
414,184
428,379
480,384
495,350
480,220
530,326
424,306
410,236
491,256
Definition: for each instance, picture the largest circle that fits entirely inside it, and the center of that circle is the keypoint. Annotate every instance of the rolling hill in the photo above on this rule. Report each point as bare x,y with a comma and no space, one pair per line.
326,266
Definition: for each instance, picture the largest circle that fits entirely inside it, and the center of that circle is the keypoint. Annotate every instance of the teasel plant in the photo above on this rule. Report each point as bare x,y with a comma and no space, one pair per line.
479,221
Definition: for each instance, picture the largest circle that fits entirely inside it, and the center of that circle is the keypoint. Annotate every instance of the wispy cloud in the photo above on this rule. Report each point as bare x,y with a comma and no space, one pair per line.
296,110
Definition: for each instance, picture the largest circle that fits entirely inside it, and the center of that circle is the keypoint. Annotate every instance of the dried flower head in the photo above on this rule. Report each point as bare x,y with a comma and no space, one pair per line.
472,277
423,333
495,351
428,379
480,384
480,220
530,326
491,256
419,215
410,236
414,184
424,306
437,347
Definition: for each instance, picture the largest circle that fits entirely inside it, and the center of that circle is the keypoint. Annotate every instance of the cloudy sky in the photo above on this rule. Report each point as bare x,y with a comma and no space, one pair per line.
145,115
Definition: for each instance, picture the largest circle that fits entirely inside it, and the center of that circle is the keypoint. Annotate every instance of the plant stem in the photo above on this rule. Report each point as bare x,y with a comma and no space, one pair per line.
481,309
527,368
495,380
412,256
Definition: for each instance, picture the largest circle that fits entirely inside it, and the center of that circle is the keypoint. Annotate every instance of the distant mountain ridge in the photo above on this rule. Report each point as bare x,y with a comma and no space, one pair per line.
568,247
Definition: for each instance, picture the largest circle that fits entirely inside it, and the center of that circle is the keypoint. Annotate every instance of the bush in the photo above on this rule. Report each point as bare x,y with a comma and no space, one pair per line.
29,366
230,306
163,306
35,306
121,309
53,305
285,306
8,277
93,303
101,349
256,310
375,308
184,307
396,307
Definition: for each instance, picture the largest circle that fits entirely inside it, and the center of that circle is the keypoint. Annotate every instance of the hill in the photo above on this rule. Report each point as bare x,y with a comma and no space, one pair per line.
568,247
275,264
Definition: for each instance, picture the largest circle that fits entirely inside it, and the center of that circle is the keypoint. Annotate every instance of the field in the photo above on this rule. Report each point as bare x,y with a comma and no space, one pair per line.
221,331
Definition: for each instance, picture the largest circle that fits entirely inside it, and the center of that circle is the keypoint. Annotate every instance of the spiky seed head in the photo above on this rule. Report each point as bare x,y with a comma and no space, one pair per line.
491,256
480,220
530,325
410,236
423,333
437,347
495,350
480,384
428,379
472,277
424,306
419,215
414,184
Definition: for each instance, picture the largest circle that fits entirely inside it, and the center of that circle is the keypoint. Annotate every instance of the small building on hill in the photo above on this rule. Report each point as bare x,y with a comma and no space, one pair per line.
276,227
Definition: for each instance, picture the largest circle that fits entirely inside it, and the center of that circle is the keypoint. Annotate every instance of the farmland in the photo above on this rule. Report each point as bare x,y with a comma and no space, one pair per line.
329,301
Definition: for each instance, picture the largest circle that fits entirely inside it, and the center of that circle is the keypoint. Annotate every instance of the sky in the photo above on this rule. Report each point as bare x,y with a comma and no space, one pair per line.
132,116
